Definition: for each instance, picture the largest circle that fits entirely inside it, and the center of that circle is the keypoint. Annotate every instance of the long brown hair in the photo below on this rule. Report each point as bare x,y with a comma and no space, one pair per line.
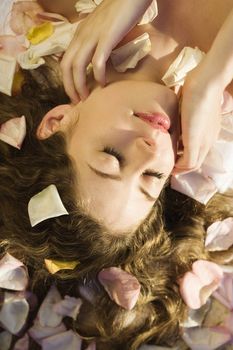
158,253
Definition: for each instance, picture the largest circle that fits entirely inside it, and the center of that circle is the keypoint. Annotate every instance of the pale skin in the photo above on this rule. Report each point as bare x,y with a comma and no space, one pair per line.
106,118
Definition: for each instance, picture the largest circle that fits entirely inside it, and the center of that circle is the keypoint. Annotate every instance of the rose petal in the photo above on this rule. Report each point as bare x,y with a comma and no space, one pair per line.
66,340
196,317
194,185
54,266
69,306
13,274
14,312
22,344
38,332
205,338
187,60
13,131
47,316
220,235
5,340
91,346
85,6
150,14
224,293
45,205
128,55
207,271
121,286
7,64
11,45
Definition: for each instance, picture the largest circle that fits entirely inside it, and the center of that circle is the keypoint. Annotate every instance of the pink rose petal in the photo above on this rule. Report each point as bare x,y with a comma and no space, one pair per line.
13,131
13,274
66,340
69,306
47,316
121,286
11,46
14,312
38,332
24,16
206,338
224,294
197,285
220,235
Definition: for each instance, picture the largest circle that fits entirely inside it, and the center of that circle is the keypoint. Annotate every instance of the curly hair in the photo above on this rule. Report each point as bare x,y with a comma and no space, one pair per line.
157,253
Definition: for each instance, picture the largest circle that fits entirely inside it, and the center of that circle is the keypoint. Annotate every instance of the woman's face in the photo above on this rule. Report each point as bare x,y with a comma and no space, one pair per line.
123,161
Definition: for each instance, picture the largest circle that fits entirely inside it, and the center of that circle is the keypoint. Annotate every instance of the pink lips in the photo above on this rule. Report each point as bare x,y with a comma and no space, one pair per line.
156,120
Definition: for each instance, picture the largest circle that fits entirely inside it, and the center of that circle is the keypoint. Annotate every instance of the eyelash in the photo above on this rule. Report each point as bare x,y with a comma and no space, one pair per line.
121,159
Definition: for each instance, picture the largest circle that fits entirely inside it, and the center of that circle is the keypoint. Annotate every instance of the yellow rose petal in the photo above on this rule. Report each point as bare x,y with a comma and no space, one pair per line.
39,33
54,266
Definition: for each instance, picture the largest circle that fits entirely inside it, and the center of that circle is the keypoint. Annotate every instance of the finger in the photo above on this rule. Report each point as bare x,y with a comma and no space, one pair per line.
80,63
189,158
67,76
100,58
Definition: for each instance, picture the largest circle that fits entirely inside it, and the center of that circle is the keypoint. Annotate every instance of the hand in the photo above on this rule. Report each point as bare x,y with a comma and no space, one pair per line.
94,40
200,117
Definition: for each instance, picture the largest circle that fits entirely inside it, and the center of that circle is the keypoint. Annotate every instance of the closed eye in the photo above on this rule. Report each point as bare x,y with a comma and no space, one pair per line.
154,174
113,152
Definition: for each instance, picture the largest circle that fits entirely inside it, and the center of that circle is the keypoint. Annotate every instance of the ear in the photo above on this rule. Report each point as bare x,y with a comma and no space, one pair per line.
53,121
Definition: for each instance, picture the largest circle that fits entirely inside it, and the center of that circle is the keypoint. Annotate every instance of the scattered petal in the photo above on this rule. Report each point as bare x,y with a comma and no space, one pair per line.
196,317
187,60
45,205
66,340
128,55
38,332
13,274
91,346
14,312
150,14
69,306
206,338
224,293
5,340
39,33
13,131
7,64
197,285
54,266
121,286
220,235
47,316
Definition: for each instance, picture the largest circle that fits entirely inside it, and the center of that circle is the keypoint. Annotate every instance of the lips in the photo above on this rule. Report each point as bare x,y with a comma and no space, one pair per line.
155,120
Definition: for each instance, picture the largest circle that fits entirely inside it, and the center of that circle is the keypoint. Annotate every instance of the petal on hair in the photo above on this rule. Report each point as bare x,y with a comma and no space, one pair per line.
39,33
54,266
224,294
24,16
196,317
22,344
69,306
7,64
187,60
66,340
206,338
150,14
121,286
196,286
14,312
13,274
5,340
38,332
220,235
194,185
11,45
128,55
13,131
45,205
47,315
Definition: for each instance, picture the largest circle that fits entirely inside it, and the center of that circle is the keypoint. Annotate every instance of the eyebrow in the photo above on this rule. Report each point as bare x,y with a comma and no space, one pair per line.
118,178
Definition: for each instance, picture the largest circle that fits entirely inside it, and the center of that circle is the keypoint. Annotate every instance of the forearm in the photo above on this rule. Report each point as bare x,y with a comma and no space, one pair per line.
219,60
